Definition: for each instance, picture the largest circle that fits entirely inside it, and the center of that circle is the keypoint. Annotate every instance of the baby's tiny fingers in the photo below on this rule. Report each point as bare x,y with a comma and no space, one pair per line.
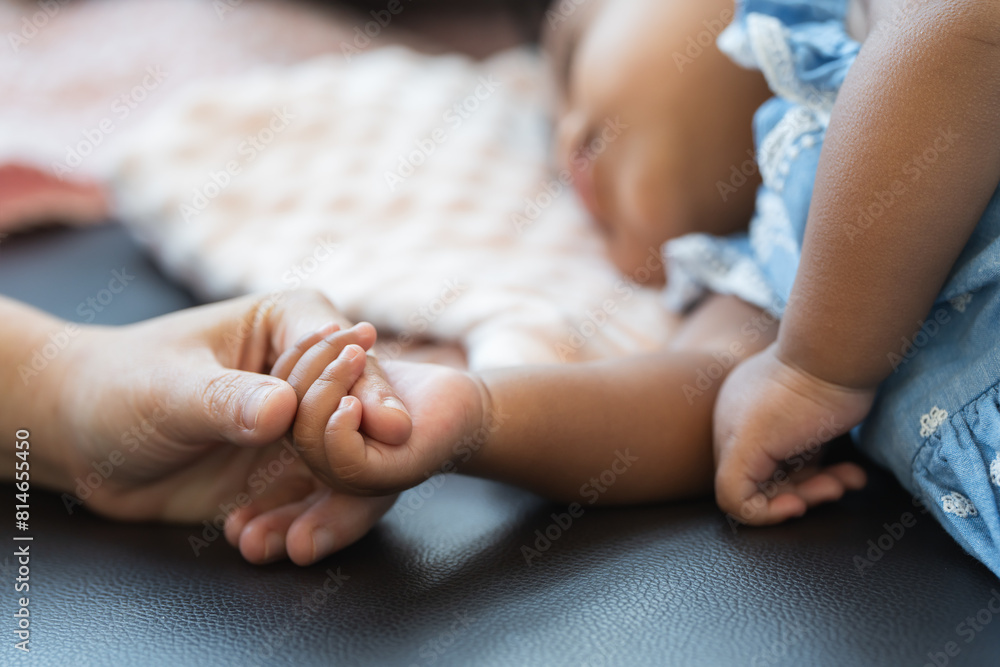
851,475
314,362
830,484
808,490
384,417
290,357
323,398
346,450
759,510
736,491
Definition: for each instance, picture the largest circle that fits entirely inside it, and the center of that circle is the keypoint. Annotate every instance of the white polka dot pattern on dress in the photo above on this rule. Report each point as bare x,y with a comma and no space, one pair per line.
930,422
959,303
957,504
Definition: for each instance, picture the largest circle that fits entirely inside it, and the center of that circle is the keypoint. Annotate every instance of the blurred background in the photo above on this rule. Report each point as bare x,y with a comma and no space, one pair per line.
420,147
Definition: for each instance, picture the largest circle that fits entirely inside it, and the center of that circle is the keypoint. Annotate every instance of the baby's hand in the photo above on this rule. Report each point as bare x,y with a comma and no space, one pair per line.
771,419
305,367
361,446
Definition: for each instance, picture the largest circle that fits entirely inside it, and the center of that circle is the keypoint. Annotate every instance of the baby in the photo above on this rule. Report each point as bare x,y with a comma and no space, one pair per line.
872,235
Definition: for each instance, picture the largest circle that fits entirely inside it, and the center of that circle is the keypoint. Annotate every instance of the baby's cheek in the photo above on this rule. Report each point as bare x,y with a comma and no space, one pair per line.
636,248
640,262
651,204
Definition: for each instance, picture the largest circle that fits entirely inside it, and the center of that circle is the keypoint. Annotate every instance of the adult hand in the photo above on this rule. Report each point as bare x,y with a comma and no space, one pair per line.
179,410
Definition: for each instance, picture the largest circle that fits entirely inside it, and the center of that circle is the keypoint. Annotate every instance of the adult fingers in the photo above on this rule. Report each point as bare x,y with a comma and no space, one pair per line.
332,523
208,403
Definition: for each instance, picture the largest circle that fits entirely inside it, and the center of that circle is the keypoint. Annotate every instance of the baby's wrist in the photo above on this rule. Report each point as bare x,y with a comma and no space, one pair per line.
846,403
801,360
481,427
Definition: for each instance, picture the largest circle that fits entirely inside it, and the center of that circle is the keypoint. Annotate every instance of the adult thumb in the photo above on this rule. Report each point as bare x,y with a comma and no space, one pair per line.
238,407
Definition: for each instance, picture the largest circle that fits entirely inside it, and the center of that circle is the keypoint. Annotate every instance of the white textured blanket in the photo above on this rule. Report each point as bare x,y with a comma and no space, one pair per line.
415,190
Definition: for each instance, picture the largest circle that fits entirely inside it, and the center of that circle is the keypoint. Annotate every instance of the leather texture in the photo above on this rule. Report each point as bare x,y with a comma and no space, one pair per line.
443,579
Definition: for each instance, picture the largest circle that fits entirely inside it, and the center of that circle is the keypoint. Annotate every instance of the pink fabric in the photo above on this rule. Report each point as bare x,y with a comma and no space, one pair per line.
29,195
74,78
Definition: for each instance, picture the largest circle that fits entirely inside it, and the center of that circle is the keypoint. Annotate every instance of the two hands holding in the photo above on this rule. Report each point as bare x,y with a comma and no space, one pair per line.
234,380
195,410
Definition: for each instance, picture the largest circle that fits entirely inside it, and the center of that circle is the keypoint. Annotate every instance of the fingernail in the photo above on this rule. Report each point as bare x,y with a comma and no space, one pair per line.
345,403
352,352
274,544
252,405
395,404
323,543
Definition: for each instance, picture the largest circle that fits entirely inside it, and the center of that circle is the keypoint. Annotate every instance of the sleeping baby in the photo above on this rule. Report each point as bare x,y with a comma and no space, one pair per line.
849,281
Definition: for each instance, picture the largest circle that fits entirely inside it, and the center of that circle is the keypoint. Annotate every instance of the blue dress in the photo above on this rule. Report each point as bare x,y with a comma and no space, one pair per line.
936,420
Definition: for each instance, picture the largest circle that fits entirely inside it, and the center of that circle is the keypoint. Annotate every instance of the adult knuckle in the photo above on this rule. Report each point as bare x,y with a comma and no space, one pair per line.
219,394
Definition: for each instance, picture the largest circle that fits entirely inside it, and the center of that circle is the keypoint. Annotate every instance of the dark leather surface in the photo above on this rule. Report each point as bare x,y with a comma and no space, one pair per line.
446,583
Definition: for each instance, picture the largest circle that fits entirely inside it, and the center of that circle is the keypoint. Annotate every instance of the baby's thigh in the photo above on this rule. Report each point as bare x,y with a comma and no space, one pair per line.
726,327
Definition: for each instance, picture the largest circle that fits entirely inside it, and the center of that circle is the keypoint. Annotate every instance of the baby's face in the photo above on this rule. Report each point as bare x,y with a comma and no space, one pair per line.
646,126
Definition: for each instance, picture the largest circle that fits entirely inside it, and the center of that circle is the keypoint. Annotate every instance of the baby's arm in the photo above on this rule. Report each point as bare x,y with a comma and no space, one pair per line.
910,162
552,429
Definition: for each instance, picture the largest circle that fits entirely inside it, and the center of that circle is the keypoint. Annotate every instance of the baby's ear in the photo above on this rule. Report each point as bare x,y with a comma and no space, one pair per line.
384,417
